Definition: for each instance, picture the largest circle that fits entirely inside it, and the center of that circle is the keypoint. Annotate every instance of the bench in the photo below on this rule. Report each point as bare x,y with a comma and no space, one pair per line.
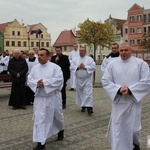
3,78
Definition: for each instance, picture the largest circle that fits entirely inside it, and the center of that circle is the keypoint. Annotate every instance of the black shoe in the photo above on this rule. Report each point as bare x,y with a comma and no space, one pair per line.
83,109
60,135
64,107
39,147
72,89
90,110
136,147
23,107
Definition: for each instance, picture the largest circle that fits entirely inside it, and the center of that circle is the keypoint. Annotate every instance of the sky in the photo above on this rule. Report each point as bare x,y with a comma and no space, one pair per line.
59,15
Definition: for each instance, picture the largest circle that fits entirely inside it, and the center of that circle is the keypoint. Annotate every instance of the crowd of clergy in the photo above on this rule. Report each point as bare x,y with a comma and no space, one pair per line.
40,80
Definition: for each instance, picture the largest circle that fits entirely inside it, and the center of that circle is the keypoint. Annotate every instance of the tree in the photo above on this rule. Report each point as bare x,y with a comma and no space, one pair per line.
95,33
145,42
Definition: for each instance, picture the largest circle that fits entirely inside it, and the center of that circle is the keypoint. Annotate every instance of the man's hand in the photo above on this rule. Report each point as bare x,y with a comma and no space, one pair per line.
40,84
124,90
18,75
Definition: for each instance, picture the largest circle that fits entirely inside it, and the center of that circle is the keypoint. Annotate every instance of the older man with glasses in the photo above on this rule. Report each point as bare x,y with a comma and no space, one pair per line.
114,54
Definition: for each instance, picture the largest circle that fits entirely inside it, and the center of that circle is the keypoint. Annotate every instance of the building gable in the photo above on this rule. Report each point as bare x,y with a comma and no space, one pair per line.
135,7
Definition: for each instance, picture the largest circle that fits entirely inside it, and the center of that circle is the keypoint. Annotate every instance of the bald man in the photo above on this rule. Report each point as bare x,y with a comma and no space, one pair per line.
126,81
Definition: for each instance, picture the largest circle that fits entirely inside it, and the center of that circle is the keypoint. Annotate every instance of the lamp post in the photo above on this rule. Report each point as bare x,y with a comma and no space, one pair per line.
28,31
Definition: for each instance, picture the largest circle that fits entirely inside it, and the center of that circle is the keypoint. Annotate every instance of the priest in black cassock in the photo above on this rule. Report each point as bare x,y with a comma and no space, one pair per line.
18,69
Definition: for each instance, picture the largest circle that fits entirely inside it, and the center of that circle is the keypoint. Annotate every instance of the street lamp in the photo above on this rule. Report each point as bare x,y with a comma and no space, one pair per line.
28,31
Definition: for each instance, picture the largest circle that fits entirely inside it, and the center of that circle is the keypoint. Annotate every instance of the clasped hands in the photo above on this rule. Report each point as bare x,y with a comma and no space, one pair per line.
40,84
81,66
124,90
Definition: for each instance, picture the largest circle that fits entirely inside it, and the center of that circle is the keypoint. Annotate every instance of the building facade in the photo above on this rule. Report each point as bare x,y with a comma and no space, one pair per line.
136,26
16,35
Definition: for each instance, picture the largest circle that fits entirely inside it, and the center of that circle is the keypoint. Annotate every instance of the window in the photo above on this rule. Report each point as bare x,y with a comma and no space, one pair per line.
144,30
42,44
47,44
131,18
13,32
24,43
131,42
126,41
132,30
37,44
144,18
7,43
138,41
18,32
126,31
41,35
36,35
65,48
139,30
139,17
13,43
148,17
19,43
32,44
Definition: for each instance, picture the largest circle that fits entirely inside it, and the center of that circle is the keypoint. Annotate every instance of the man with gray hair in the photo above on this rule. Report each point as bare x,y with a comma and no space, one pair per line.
18,69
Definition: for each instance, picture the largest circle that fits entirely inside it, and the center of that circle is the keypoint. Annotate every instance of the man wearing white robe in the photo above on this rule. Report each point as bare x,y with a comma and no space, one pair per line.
46,81
126,81
83,67
113,55
73,54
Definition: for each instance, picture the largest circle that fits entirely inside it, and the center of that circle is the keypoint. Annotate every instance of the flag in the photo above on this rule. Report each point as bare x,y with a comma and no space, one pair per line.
38,31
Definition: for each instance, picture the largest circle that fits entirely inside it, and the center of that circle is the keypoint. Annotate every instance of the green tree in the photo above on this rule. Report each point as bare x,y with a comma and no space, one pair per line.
95,33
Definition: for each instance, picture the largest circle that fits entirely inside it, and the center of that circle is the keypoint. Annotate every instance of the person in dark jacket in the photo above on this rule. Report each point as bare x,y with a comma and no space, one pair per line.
18,69
62,61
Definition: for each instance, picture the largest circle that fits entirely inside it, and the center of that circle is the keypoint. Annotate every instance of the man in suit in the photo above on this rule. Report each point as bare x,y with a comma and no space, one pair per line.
62,60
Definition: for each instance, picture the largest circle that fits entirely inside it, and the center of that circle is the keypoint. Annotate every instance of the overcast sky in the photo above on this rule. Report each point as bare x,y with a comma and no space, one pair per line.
58,15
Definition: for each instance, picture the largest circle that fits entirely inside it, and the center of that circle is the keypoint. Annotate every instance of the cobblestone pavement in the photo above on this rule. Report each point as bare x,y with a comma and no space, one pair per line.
82,132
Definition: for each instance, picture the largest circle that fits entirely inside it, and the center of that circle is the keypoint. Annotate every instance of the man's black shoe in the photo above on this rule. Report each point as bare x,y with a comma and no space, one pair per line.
71,89
39,147
64,107
136,147
83,109
60,135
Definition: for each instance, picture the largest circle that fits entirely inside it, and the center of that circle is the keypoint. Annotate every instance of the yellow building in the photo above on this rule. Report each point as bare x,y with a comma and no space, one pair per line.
16,35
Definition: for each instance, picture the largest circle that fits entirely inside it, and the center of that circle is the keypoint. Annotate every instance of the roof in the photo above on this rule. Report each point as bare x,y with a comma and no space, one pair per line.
135,7
4,25
119,23
66,38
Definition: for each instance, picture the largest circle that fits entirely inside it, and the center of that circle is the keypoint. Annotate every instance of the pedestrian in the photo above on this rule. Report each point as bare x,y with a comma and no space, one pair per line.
73,54
83,67
113,55
46,81
4,63
18,69
62,60
31,61
126,81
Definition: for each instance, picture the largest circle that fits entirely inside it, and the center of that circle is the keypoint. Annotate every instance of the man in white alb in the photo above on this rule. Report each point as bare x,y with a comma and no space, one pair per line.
83,67
46,81
126,81
73,54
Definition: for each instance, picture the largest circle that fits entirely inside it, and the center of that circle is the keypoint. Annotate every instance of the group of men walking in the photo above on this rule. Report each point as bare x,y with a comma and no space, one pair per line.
126,79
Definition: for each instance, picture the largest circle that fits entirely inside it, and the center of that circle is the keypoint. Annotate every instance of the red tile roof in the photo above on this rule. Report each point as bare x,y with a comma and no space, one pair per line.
4,25
66,38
